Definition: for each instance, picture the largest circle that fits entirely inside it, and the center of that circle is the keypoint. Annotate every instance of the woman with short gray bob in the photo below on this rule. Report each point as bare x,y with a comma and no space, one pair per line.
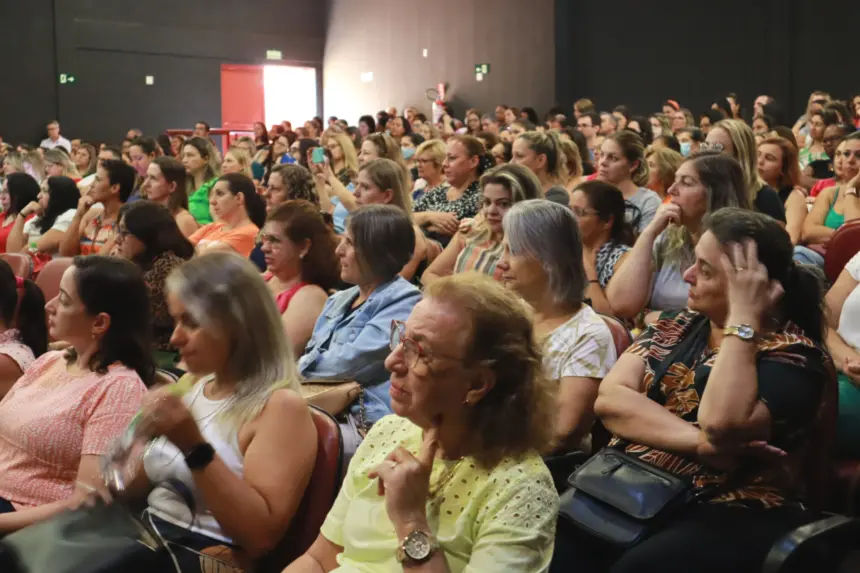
351,337
543,264
247,436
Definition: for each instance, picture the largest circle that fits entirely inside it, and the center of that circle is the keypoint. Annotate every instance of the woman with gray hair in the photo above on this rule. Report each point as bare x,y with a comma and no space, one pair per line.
350,338
241,439
543,264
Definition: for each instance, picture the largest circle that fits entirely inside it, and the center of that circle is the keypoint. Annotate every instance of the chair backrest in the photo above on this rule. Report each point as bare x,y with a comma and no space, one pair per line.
620,334
19,262
49,278
817,468
844,244
317,501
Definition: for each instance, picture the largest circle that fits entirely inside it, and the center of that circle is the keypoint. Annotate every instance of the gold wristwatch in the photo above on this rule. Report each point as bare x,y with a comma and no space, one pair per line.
743,331
417,547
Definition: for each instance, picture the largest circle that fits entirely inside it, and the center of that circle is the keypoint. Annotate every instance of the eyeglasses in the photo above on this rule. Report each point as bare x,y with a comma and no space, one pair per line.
579,212
412,350
705,146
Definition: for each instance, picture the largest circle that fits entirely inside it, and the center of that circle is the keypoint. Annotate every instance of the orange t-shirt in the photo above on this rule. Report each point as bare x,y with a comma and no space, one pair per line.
241,239
50,418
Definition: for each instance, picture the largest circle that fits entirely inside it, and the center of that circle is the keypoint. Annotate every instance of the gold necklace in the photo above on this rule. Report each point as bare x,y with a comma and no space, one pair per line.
447,476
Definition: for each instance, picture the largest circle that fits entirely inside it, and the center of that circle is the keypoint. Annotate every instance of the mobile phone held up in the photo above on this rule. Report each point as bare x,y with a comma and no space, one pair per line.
318,155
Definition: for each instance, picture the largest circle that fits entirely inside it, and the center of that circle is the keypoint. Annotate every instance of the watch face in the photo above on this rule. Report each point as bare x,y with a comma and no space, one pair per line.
417,546
746,332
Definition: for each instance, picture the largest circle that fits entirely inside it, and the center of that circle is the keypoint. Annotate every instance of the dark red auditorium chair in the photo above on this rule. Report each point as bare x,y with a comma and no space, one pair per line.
19,262
844,244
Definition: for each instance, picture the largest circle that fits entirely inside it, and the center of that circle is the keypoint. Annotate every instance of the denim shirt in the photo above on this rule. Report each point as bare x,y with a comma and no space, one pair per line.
353,346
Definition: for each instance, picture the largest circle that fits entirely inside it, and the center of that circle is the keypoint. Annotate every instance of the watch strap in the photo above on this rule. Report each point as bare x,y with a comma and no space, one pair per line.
199,456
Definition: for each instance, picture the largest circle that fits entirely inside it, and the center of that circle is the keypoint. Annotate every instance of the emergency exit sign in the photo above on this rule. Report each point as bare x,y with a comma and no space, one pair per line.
482,69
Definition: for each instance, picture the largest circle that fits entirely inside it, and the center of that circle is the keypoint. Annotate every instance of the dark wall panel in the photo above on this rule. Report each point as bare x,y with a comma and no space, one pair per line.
110,47
28,86
514,37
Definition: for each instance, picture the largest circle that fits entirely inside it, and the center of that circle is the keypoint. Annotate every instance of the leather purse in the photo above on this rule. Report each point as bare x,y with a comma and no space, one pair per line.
620,499
332,396
97,539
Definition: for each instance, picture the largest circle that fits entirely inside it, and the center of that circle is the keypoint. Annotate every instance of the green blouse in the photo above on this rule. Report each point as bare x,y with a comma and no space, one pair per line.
198,203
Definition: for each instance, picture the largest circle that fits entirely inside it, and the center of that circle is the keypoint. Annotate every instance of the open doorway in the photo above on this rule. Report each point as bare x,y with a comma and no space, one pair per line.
270,93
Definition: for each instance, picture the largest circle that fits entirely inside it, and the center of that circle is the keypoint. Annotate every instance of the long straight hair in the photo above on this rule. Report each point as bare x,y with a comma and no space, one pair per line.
226,292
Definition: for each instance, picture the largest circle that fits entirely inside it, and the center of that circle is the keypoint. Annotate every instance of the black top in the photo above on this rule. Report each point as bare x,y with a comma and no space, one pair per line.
767,201
822,168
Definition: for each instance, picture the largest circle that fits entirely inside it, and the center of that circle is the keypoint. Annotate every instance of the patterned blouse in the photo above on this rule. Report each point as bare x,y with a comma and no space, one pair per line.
437,200
12,347
480,253
607,257
791,374
96,234
155,277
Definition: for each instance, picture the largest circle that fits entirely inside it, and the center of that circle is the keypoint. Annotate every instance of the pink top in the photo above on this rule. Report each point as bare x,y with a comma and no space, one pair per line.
283,299
50,418
11,346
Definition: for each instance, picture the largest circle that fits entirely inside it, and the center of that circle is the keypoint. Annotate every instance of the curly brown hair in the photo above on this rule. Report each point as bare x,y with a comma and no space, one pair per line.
511,420
298,182
302,221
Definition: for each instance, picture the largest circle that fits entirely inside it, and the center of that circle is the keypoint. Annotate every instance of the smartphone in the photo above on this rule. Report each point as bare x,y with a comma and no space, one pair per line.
318,155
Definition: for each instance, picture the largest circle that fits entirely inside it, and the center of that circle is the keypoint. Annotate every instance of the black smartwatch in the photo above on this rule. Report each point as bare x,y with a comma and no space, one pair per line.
199,456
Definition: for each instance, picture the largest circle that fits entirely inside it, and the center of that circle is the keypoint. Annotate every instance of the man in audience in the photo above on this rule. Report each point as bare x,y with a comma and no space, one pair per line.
608,123
201,129
54,138
500,114
583,106
588,125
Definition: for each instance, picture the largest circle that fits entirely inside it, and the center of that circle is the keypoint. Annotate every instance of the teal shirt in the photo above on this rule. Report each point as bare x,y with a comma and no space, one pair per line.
198,203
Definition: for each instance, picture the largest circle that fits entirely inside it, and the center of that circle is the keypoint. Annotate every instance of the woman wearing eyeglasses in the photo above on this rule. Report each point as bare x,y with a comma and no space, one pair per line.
350,338
454,480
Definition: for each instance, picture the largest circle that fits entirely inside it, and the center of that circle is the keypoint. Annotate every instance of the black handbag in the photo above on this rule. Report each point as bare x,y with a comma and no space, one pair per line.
621,499
95,539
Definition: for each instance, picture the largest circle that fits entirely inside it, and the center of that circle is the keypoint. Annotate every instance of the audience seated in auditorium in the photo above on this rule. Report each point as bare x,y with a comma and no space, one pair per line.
817,122
237,160
606,236
478,246
86,159
543,264
622,164
730,407
652,275
662,165
440,211
454,478
200,159
87,394
430,160
39,236
24,335
143,151
833,206
243,414
349,341
58,162
166,184
301,266
240,212
149,237
18,193
542,153
94,226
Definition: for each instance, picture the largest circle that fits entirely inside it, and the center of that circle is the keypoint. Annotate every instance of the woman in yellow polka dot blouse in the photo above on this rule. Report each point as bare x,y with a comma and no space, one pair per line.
454,481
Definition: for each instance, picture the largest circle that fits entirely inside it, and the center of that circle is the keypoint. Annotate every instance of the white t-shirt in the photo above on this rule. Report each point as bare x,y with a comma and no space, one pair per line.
582,346
61,142
61,224
849,319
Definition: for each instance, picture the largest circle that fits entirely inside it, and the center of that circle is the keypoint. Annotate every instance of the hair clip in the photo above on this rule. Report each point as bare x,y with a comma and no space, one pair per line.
19,282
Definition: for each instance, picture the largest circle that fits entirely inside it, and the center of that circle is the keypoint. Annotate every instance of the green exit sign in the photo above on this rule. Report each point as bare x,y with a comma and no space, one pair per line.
482,69
67,79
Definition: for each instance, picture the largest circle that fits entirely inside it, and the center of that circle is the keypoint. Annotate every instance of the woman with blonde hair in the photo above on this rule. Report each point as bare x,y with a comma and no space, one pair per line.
59,163
573,162
241,439
86,158
542,153
736,139
652,274
237,160
662,165
381,182
429,157
344,160
462,451
622,163
478,246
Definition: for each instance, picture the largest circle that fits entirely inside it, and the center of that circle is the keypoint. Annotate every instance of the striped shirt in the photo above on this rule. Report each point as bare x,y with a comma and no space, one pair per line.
480,253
